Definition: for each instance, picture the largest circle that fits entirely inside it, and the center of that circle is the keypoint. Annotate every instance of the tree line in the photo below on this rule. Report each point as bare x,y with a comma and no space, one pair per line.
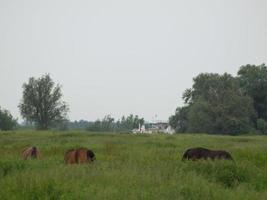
215,104
126,123
225,104
42,108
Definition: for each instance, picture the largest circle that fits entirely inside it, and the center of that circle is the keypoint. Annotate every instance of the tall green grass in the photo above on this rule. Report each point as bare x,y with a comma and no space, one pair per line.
132,167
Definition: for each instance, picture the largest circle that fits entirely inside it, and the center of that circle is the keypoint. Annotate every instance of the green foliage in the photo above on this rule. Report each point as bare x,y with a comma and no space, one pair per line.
225,104
200,118
211,87
41,102
79,125
108,123
216,104
262,126
230,117
7,122
179,121
132,167
128,123
253,79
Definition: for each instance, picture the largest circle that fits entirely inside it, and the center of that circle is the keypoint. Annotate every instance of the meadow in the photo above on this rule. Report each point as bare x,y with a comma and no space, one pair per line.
132,167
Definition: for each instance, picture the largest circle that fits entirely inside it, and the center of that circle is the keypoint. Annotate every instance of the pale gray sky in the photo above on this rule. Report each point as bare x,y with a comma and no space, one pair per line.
120,57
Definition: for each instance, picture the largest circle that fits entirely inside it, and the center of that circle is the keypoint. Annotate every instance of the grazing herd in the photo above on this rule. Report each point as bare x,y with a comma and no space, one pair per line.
84,155
72,156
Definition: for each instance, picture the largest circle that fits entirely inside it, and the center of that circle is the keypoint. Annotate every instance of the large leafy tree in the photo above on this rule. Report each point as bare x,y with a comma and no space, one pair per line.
219,105
41,102
215,104
253,79
7,122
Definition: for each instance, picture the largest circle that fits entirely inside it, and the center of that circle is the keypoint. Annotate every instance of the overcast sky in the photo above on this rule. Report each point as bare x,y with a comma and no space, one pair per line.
120,57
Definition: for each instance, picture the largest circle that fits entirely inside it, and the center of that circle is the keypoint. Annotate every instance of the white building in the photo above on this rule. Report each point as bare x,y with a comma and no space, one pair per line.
159,127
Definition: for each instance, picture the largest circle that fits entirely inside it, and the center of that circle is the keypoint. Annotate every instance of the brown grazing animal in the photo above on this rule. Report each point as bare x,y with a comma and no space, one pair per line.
70,157
30,152
79,155
202,153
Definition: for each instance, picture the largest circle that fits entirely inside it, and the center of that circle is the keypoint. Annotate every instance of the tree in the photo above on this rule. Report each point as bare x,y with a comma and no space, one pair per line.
179,121
262,126
211,87
96,126
7,122
81,124
231,116
41,102
130,122
253,79
219,105
106,124
215,104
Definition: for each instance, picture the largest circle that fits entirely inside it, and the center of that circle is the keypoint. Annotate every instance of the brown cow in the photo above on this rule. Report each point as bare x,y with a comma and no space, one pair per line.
70,156
79,155
203,153
30,152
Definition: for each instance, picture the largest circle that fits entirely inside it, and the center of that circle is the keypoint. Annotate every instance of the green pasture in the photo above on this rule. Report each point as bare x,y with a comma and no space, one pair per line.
132,167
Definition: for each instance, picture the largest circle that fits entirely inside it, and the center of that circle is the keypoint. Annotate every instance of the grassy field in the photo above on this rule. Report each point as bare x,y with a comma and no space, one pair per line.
132,167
